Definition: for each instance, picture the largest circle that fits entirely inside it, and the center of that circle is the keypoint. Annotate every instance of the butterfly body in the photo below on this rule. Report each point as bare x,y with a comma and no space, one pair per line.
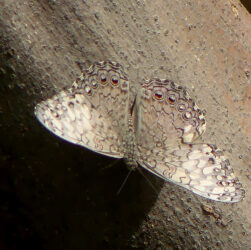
129,146
155,128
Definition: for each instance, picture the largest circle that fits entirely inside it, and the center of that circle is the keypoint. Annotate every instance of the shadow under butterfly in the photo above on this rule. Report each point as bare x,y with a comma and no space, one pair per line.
156,129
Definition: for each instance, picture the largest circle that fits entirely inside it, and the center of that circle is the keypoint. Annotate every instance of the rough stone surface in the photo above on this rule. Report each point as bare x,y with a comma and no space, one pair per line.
58,196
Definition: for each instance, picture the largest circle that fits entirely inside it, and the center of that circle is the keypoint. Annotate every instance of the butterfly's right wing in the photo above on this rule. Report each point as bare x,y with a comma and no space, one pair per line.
167,123
165,114
92,113
200,168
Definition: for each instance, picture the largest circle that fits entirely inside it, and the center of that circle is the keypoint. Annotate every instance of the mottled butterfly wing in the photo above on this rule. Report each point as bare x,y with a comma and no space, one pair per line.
169,121
93,112
166,115
200,168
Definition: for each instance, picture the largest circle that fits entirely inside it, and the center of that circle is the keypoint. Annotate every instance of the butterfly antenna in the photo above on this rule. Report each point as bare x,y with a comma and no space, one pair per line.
112,164
148,181
124,182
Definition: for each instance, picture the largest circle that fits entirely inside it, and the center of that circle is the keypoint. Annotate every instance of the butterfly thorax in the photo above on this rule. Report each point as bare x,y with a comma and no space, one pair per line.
130,146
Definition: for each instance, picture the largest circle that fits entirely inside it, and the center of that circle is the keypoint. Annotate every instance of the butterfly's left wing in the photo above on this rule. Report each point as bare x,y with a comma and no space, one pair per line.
200,168
167,122
93,112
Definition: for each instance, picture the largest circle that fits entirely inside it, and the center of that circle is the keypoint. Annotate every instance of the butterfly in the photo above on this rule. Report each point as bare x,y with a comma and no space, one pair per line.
156,128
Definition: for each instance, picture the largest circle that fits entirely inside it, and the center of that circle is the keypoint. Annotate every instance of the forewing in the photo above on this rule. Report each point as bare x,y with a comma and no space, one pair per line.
166,115
200,168
93,112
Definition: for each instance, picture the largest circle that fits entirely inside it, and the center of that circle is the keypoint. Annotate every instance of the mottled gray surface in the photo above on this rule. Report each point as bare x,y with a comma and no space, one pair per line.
58,196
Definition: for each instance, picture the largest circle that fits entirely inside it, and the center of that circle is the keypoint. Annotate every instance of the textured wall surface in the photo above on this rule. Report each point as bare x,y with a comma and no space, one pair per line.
59,196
